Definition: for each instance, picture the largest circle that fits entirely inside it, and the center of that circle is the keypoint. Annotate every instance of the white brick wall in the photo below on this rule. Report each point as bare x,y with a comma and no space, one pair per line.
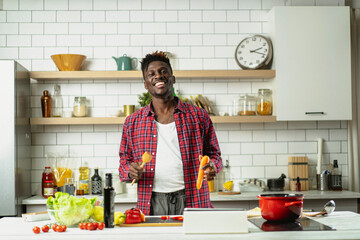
202,34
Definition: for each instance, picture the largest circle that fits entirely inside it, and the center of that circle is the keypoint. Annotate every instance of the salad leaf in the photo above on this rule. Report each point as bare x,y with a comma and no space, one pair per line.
69,210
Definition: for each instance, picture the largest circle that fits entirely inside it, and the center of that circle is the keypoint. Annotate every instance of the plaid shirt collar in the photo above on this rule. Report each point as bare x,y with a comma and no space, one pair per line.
149,111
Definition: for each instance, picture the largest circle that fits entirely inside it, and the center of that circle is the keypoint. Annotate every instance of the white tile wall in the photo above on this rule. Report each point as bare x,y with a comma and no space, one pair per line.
202,34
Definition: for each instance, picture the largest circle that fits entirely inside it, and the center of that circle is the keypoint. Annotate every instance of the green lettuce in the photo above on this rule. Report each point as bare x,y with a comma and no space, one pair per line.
69,210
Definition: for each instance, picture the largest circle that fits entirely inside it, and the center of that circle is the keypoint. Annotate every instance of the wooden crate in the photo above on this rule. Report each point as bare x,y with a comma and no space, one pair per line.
298,167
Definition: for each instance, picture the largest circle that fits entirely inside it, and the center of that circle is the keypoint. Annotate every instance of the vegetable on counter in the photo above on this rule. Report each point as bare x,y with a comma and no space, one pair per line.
203,161
69,210
134,215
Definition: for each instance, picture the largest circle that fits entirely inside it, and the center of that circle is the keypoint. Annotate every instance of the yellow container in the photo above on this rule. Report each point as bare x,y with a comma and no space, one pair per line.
84,179
129,109
211,186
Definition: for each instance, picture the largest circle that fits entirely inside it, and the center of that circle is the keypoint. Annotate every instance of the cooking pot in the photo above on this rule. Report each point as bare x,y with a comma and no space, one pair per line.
281,207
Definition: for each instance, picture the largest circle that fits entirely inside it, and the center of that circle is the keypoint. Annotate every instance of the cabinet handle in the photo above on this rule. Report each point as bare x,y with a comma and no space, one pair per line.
314,113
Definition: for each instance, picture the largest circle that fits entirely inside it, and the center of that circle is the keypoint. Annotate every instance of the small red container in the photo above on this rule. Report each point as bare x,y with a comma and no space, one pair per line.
281,207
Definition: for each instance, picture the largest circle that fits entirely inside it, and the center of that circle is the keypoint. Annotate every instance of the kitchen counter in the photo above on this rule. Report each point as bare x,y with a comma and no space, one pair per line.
313,200
347,225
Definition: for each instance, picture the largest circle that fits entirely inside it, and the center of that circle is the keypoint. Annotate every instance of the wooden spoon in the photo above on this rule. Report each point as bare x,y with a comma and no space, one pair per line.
146,157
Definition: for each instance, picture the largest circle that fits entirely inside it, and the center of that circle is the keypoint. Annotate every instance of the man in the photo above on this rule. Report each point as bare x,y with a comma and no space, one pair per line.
175,134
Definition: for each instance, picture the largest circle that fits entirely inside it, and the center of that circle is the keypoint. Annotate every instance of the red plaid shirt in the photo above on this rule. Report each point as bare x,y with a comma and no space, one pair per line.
196,135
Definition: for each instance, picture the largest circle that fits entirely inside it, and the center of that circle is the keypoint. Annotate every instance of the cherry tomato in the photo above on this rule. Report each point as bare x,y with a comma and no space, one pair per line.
180,218
63,228
101,226
58,228
91,226
165,217
54,227
36,230
96,225
45,228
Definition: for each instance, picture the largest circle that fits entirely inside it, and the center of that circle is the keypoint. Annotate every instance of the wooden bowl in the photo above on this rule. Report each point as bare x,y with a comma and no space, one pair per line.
68,62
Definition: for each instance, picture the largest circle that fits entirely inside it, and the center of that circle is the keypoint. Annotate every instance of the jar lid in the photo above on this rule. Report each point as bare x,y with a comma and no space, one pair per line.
80,98
265,90
247,97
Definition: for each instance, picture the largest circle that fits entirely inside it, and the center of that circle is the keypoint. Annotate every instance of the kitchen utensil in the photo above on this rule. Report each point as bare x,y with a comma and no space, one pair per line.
298,167
146,157
124,63
68,62
322,181
276,184
328,208
281,207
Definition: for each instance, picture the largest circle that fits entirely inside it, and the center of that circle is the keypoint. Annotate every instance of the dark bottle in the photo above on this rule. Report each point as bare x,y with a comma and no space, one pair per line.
109,195
335,178
46,104
298,184
96,183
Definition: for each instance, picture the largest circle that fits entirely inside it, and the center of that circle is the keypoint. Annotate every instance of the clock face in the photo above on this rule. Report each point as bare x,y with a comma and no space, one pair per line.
253,52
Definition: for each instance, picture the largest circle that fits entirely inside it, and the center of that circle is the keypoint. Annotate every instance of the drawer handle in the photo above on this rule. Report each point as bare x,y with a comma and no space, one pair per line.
307,113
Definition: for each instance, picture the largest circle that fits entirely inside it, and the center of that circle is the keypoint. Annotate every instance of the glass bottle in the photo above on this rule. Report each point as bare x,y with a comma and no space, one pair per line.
264,105
335,178
247,105
84,179
79,107
96,182
46,104
47,183
223,176
298,184
109,196
57,102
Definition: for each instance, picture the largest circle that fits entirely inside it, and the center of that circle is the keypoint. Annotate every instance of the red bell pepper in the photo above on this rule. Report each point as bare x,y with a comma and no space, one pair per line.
133,215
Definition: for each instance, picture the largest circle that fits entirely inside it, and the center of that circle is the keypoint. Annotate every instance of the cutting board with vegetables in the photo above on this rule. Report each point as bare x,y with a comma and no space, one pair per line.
156,221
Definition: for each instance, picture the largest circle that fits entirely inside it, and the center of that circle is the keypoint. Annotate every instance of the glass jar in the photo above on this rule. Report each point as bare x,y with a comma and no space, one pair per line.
264,106
79,107
247,105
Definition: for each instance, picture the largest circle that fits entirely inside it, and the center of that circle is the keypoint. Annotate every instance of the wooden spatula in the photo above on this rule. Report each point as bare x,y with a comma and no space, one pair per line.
146,157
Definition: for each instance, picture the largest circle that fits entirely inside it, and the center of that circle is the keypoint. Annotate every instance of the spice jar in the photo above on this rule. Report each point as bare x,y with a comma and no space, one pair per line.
264,106
247,105
79,107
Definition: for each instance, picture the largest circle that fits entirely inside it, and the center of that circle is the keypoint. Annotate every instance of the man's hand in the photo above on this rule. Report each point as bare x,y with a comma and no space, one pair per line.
209,171
135,171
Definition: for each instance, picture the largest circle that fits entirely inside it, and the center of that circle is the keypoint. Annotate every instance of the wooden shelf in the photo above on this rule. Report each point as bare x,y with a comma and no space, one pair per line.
121,120
55,75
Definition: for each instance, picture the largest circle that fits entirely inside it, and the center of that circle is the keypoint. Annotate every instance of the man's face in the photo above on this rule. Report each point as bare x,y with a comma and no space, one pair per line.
159,79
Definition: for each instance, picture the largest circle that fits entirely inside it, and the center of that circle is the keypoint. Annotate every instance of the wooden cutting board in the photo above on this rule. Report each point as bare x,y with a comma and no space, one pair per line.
155,221
228,193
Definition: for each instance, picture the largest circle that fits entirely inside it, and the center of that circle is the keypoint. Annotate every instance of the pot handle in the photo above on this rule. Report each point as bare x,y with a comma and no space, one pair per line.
288,204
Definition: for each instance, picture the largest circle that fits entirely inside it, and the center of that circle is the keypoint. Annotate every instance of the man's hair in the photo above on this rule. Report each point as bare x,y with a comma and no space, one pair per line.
155,56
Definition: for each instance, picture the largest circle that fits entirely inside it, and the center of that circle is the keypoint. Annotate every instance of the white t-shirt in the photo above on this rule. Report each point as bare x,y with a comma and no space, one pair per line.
169,172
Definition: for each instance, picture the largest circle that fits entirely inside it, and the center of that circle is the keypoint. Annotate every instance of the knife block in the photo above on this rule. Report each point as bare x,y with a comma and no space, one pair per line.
298,167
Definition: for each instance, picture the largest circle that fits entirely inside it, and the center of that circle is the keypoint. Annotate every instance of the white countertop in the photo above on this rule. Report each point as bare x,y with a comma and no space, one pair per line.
347,225
244,196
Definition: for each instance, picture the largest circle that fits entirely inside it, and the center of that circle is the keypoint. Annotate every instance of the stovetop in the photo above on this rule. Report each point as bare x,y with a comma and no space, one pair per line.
300,224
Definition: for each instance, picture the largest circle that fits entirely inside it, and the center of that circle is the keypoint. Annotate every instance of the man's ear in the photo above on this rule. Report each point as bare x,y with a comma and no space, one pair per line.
173,79
145,86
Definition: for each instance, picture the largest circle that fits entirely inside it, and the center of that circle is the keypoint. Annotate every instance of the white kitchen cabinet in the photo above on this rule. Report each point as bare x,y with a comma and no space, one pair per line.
312,57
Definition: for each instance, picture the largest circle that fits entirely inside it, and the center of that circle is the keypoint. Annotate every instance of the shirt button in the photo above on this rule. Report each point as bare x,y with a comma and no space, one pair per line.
150,185
148,203
154,136
152,169
153,153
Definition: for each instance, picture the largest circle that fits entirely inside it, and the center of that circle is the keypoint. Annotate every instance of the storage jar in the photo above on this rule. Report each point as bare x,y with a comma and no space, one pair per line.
247,105
264,105
80,107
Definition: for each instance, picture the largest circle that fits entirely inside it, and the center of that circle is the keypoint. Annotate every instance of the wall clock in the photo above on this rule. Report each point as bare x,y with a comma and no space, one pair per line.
254,52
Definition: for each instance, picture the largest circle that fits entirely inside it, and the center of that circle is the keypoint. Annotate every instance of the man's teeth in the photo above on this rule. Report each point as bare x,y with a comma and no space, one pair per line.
159,84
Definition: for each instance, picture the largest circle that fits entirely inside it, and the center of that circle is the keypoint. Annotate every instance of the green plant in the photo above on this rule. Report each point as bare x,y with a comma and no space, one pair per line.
144,99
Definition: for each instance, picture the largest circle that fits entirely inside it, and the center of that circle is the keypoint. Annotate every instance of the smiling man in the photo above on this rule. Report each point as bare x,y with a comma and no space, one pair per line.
175,134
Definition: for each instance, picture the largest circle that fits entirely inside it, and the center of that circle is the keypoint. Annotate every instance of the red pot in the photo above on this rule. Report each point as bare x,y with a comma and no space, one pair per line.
281,207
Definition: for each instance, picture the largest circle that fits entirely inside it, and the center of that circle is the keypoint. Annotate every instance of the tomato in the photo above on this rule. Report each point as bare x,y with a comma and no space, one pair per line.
63,228
58,228
180,218
36,230
165,217
101,226
54,227
81,226
45,228
96,225
91,226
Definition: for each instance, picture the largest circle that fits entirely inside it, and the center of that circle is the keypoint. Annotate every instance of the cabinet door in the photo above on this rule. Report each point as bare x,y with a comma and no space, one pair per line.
312,61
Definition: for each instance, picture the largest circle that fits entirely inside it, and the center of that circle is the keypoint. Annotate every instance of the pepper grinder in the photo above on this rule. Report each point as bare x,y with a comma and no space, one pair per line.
46,104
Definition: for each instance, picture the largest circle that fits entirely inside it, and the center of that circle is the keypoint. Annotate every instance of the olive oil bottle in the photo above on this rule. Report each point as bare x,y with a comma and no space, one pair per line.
84,179
109,195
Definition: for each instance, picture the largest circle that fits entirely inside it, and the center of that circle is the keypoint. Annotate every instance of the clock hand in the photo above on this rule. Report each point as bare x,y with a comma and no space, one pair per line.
255,49
260,53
